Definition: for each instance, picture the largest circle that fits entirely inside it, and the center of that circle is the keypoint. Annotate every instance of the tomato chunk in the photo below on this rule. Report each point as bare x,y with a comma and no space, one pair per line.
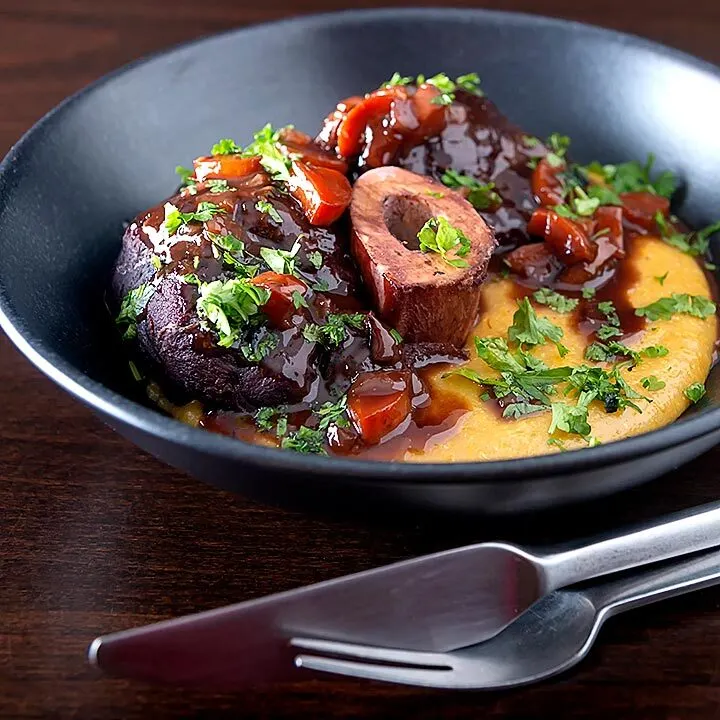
608,225
323,193
546,185
566,239
378,403
302,144
280,307
640,208
225,167
534,261
352,127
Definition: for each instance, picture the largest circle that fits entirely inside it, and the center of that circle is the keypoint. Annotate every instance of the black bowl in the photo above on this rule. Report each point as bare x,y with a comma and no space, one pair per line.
108,152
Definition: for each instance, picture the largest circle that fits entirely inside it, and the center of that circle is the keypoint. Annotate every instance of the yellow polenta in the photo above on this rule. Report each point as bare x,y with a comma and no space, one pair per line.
482,435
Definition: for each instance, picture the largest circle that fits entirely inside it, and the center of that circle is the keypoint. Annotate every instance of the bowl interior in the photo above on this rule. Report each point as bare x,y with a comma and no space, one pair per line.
108,153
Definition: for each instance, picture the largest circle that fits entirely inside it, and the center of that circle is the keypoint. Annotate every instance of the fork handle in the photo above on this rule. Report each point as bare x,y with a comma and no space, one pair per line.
651,586
687,532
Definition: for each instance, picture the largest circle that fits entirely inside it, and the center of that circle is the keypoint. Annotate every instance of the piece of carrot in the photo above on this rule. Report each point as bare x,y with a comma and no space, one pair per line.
323,193
566,239
640,208
281,306
225,167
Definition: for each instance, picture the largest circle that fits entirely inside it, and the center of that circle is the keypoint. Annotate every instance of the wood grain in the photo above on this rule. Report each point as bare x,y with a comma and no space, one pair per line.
97,536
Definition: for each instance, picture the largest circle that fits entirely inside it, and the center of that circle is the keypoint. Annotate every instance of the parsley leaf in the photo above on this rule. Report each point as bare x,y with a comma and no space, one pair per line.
554,300
316,259
258,349
604,195
186,176
608,352
661,278
695,392
267,208
130,308
218,186
470,83
305,440
280,261
654,351
695,243
588,292
570,419
446,87
480,196
397,79
334,331
226,146
558,146
230,306
333,414
678,303
298,300
529,329
174,219
634,177
652,383
266,144
439,236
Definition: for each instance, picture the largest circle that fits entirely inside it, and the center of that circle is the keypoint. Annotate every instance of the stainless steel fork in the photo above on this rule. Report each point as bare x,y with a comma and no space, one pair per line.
549,638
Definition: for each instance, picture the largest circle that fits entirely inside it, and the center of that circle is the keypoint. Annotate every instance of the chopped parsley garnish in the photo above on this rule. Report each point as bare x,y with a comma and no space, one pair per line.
470,83
605,332
230,307
558,146
186,175
481,196
320,285
156,261
439,236
266,144
305,440
695,392
631,177
588,292
694,243
604,195
316,259
530,141
652,383
280,261
135,372
555,301
265,418
218,186
229,243
226,146
334,331
609,387
446,87
130,308
607,308
397,79
333,414
609,352
557,443
267,208
661,278
529,329
654,351
571,418
259,349
435,194
298,300
174,219
396,336
678,303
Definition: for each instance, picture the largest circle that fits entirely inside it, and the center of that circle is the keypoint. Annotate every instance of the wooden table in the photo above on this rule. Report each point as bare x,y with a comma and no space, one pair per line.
97,536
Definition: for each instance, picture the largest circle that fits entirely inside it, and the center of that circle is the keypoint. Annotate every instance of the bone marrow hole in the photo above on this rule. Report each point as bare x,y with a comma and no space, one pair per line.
404,217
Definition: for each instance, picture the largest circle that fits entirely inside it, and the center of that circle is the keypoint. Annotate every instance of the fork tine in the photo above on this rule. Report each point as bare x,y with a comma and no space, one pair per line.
369,671
438,661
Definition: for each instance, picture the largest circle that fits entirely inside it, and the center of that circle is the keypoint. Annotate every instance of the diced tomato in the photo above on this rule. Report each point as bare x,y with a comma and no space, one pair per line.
379,402
546,185
323,193
566,239
280,307
225,167
352,126
431,116
640,208
302,144
534,261
608,224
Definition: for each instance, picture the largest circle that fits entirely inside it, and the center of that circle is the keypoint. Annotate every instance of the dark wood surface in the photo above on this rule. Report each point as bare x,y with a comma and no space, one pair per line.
97,536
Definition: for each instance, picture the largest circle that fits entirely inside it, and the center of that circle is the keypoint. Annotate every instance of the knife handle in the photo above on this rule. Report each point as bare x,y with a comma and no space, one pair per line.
654,585
687,532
